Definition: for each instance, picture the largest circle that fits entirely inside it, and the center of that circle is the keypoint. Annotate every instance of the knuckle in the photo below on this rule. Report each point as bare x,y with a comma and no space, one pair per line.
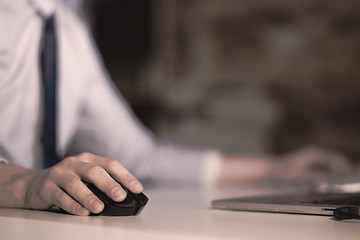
94,170
70,184
70,160
85,155
127,175
60,197
113,164
54,173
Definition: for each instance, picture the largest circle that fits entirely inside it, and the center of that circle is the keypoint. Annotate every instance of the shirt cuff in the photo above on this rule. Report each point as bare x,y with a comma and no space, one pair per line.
3,161
210,170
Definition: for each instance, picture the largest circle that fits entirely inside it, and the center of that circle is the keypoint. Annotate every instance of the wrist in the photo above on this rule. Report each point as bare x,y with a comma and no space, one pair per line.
13,185
243,169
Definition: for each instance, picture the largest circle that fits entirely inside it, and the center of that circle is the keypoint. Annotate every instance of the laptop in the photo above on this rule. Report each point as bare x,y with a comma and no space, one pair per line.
306,202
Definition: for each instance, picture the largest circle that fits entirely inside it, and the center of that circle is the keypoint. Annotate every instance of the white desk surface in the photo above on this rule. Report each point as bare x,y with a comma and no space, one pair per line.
181,214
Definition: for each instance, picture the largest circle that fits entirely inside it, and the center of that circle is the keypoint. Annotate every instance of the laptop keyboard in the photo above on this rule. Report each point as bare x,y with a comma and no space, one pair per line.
345,199
336,202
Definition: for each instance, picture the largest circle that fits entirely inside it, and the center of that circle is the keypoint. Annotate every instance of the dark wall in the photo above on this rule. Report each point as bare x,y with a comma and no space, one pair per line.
123,33
304,55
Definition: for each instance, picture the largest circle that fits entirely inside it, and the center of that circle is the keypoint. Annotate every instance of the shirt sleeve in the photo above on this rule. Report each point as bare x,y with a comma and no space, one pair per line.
109,128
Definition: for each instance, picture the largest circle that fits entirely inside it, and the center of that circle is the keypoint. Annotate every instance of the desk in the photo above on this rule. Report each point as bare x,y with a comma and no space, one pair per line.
181,214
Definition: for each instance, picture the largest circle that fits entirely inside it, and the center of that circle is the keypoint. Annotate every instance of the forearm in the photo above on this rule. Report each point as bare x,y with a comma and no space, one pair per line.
245,168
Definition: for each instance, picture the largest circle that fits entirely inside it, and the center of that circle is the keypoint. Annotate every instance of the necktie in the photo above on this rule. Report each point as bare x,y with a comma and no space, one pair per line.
48,56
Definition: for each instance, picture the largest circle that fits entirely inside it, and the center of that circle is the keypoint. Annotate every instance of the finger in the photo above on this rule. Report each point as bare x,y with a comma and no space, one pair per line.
116,170
81,193
102,180
119,172
64,201
329,163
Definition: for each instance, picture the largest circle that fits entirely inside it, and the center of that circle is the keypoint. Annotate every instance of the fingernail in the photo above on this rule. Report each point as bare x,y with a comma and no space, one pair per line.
84,211
138,187
96,206
120,195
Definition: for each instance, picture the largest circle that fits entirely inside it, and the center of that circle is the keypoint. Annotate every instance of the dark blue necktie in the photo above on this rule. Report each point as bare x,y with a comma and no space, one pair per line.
48,57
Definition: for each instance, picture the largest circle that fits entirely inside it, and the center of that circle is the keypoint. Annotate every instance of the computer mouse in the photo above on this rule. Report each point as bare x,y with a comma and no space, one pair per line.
132,205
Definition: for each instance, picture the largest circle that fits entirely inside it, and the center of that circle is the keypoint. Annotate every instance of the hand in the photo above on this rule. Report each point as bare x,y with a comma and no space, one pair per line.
61,184
308,165
312,165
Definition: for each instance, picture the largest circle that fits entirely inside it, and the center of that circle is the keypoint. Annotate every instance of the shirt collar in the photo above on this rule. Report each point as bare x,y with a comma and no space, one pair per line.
44,8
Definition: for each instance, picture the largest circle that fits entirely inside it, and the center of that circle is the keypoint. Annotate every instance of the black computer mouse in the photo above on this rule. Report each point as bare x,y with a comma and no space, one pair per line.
132,205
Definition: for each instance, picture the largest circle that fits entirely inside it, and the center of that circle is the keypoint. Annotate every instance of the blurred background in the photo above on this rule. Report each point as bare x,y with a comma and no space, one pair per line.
250,76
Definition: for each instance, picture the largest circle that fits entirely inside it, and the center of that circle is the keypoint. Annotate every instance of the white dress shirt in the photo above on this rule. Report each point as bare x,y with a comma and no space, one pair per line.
92,115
